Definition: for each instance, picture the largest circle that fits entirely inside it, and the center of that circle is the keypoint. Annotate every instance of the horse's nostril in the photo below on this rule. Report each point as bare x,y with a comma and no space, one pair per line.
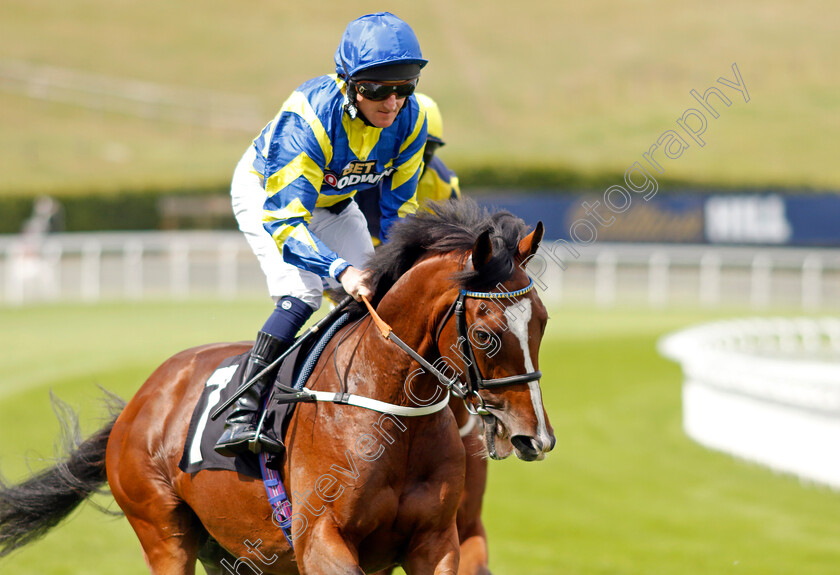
525,444
553,442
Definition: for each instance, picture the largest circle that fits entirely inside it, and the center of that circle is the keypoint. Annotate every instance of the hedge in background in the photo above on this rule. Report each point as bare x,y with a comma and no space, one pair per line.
134,210
209,207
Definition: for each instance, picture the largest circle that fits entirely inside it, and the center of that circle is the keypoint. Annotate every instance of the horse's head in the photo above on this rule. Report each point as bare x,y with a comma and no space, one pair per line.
498,335
484,319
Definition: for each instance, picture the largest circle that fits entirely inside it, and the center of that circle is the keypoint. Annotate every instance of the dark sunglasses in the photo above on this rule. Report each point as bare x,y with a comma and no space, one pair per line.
376,92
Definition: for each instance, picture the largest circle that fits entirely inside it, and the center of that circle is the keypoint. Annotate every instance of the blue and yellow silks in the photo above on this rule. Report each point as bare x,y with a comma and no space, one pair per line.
312,154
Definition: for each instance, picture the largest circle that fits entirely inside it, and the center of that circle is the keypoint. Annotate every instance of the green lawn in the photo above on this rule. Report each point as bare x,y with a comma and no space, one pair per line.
623,493
587,85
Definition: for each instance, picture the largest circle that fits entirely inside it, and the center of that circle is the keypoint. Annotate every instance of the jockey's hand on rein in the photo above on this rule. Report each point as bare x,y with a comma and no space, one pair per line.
354,281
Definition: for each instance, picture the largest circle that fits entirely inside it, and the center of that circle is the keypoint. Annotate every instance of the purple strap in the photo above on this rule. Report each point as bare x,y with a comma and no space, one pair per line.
278,499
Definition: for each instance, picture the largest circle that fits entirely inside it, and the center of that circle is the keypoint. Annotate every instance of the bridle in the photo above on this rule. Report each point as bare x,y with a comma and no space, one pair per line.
469,390
475,379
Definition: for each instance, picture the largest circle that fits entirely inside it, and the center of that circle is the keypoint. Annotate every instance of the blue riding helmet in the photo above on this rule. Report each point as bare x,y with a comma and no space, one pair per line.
378,40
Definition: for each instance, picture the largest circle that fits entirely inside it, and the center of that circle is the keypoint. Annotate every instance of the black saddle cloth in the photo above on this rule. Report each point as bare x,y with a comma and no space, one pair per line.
220,386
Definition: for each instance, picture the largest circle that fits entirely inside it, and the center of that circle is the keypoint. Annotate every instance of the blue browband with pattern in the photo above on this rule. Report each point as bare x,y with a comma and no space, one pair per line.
499,295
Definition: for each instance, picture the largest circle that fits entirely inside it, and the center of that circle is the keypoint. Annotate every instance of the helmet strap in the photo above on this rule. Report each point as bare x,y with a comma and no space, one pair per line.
350,101
350,93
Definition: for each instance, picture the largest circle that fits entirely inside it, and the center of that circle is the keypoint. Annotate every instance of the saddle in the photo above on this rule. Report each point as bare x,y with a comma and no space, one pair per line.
204,432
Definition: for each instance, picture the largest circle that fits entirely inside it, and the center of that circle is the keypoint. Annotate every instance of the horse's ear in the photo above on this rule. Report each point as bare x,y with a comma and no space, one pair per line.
529,244
482,250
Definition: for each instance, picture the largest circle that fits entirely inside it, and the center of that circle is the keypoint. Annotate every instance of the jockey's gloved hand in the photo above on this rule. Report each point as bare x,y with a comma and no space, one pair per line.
354,283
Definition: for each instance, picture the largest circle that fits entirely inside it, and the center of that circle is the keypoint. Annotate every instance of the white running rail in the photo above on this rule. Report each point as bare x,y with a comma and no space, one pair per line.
94,267
135,265
766,390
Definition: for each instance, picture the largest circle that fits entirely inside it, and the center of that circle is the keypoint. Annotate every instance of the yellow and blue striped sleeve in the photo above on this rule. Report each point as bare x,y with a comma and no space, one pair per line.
291,153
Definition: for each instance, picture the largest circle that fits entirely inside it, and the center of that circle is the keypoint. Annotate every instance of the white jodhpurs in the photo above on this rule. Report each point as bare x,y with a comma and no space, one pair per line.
345,233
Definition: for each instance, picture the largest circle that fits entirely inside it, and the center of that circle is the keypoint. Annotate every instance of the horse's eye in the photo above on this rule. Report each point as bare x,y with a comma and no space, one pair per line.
481,337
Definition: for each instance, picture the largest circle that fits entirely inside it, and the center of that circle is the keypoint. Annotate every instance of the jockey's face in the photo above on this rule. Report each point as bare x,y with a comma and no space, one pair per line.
380,113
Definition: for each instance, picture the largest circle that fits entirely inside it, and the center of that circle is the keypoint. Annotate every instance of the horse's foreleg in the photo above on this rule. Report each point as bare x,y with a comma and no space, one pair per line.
474,555
323,550
435,553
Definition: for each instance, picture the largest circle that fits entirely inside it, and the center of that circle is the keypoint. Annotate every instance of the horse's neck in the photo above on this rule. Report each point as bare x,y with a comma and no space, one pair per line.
417,299
409,308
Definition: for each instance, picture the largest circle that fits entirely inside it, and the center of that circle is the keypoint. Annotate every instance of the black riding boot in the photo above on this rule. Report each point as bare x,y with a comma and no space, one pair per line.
241,423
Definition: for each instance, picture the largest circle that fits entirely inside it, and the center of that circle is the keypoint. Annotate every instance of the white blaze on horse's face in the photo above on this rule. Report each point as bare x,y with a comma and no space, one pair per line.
518,318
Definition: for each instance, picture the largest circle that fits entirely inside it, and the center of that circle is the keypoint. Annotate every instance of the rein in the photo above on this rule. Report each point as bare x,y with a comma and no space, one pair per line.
475,380
465,390
297,394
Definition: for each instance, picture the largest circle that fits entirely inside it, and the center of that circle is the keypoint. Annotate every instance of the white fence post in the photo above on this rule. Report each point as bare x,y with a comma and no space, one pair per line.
605,279
228,279
133,270
557,284
812,282
91,270
179,269
659,279
760,280
51,260
710,280
14,280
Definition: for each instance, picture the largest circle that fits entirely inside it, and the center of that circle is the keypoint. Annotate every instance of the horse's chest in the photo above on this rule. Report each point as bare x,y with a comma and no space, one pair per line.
421,499
401,512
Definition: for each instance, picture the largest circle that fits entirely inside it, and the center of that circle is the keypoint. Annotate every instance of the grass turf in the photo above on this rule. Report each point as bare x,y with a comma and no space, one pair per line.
624,492
589,86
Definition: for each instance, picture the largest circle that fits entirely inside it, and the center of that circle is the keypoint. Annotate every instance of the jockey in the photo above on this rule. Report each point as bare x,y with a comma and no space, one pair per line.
437,182
292,191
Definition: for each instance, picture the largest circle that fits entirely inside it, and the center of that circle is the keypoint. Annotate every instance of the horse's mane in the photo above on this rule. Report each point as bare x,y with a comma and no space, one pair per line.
450,227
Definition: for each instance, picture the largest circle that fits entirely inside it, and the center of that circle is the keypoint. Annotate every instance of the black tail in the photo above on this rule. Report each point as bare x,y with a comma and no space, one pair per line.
29,510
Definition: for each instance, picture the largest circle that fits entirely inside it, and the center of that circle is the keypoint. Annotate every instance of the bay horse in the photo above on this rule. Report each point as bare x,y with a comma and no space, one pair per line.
369,490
